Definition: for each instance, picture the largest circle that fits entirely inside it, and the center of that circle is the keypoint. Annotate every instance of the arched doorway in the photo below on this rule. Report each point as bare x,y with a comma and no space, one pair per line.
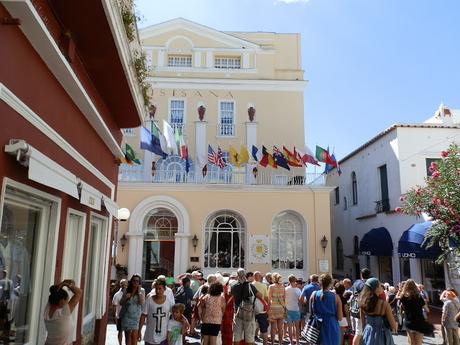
160,228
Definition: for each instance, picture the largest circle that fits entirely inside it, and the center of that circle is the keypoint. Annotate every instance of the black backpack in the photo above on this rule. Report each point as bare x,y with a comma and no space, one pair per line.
180,296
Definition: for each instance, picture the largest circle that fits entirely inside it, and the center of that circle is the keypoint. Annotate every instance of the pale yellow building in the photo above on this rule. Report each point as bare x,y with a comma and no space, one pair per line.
221,89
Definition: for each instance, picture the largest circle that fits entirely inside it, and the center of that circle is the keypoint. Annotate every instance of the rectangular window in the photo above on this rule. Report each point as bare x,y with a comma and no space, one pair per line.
383,205
91,271
227,115
27,260
228,62
337,195
428,162
180,60
176,114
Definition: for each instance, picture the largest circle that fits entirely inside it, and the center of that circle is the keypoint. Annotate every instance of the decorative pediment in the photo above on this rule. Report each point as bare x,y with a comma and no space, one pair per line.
179,28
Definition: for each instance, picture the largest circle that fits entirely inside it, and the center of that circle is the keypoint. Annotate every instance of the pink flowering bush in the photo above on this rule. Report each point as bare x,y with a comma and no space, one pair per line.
440,199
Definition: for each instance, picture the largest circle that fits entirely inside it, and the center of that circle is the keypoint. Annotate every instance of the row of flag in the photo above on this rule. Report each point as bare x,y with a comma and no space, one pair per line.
170,142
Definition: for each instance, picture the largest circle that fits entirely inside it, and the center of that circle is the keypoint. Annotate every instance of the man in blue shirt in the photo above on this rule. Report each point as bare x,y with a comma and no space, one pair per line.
307,291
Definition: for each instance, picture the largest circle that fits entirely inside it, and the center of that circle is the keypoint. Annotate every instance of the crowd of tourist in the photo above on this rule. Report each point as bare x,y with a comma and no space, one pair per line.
237,308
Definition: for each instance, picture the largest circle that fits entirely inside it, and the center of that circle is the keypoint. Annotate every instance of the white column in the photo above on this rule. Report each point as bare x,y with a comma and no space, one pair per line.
245,60
251,134
415,270
135,247
181,253
209,58
251,139
197,60
161,57
396,268
200,146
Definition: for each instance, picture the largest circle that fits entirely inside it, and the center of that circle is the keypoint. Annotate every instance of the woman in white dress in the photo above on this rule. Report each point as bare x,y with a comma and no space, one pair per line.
58,311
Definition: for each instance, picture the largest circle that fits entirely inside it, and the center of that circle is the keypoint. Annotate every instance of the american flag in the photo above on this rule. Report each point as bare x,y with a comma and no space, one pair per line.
212,156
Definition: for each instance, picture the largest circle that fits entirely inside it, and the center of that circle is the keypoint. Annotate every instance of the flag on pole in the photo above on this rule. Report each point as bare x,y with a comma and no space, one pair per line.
244,154
159,140
130,155
292,158
170,139
220,158
256,154
279,158
323,156
151,142
183,148
309,157
267,159
234,157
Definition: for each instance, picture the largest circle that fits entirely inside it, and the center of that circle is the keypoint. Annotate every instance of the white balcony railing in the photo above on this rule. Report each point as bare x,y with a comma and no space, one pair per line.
178,127
137,174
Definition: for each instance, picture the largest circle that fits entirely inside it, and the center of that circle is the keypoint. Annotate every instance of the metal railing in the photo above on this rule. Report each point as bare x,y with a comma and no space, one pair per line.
137,174
382,205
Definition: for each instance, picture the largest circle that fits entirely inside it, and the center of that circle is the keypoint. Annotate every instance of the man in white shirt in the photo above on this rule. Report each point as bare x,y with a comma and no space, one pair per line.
293,294
116,303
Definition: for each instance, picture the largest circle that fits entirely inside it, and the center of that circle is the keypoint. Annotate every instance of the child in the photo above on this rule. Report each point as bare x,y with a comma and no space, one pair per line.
178,325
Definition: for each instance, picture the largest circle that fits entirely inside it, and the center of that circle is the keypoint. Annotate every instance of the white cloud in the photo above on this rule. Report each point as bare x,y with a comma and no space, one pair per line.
290,1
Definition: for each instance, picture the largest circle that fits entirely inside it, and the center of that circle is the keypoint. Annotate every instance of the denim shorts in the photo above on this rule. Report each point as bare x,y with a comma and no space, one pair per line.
293,316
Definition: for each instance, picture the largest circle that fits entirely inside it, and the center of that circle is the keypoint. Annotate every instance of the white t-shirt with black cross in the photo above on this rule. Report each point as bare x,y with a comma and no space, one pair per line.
156,329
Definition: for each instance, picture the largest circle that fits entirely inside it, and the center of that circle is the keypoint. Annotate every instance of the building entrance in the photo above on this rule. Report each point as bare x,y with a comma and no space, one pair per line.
160,227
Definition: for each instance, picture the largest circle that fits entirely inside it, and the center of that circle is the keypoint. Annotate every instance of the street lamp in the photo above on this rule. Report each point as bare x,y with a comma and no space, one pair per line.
122,216
324,243
195,242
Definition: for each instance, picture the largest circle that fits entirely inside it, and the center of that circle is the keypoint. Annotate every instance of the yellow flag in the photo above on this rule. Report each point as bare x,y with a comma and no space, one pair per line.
234,157
244,155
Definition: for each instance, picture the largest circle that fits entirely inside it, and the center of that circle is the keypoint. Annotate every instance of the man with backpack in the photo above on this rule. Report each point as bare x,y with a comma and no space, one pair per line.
356,323
244,296
184,295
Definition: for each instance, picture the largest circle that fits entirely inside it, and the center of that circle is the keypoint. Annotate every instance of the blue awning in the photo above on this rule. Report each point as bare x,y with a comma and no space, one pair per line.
377,242
410,243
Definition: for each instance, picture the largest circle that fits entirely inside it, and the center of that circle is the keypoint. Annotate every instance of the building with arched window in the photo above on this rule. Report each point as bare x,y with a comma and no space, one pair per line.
221,89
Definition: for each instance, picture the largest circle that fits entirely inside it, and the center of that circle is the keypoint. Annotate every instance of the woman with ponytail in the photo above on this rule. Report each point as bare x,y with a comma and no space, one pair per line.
58,311
327,307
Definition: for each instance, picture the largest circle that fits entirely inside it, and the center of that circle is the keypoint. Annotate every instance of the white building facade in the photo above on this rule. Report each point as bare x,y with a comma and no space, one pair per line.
366,232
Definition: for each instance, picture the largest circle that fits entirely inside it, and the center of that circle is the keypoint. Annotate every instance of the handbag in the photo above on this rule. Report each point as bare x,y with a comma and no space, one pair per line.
260,306
312,329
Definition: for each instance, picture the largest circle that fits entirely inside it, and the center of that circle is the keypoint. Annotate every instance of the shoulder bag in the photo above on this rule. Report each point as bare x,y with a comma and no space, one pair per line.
246,311
312,329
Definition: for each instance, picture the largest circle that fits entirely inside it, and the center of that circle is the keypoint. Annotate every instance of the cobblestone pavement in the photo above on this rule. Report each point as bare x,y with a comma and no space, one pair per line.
399,339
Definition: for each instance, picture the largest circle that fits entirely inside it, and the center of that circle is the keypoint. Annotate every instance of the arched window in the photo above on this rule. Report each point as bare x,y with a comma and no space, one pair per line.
287,241
339,253
160,227
171,169
224,240
354,187
356,245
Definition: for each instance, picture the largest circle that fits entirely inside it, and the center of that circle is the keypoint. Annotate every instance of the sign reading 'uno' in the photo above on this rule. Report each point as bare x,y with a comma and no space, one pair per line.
407,255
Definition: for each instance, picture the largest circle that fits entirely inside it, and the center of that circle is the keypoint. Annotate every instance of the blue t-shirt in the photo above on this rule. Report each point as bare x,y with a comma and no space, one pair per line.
307,291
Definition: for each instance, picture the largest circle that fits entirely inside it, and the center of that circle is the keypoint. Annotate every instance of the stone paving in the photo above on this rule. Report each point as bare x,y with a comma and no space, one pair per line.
399,339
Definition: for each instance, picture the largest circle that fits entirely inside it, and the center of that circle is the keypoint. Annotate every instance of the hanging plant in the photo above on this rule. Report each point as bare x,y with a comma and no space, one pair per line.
141,74
129,19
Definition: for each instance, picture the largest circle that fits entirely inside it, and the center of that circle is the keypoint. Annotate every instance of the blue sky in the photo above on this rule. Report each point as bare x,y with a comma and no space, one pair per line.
369,63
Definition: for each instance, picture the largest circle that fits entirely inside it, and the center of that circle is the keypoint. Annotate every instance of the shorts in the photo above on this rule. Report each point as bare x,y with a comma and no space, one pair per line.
262,320
357,326
293,316
212,329
119,325
243,330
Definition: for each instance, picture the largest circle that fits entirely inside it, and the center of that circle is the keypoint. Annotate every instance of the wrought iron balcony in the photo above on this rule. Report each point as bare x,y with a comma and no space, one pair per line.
382,205
267,177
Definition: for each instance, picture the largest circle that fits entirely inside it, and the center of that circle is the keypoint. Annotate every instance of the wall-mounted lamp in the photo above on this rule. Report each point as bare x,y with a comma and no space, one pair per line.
194,242
123,214
123,241
324,243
